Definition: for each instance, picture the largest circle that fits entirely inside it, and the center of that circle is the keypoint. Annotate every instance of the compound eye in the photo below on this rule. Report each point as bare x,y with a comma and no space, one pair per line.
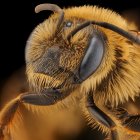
92,58
68,24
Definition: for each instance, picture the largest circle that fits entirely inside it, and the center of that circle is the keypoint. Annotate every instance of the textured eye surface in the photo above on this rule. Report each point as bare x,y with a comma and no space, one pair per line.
92,58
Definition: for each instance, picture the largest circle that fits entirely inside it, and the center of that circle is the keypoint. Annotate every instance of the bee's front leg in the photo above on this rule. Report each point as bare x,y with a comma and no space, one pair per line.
45,98
129,121
101,117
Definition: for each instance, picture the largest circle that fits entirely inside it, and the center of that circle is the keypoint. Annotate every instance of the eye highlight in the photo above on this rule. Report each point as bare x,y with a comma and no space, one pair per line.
68,24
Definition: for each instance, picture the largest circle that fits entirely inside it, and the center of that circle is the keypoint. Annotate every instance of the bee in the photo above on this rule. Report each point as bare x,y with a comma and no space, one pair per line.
86,54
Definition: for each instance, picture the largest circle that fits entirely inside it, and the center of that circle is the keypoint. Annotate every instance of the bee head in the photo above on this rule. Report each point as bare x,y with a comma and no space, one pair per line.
63,52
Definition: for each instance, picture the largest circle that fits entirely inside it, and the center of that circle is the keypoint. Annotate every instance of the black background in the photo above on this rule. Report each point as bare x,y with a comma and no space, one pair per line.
18,20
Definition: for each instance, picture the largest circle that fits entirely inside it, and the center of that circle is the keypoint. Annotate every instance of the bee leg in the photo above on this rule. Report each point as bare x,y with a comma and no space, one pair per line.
131,122
101,117
47,97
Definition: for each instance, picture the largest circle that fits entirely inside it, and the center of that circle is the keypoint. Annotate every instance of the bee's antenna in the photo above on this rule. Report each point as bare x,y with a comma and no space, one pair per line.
54,8
112,27
47,6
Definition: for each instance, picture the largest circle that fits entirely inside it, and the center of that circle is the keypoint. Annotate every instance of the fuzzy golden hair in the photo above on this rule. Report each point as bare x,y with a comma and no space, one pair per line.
116,80
113,79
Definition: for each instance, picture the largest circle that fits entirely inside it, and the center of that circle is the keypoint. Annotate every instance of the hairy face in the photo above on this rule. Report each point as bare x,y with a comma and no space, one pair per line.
63,50
52,59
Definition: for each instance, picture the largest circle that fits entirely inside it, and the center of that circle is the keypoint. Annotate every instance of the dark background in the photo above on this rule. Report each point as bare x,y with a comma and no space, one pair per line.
18,20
